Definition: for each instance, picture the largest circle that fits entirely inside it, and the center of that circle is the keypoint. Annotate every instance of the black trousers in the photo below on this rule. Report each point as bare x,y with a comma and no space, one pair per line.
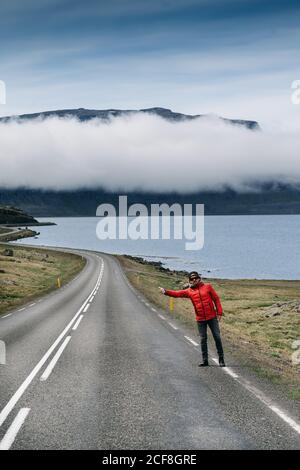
214,328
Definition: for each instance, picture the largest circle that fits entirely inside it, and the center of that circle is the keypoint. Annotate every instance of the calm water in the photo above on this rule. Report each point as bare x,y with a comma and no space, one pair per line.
262,247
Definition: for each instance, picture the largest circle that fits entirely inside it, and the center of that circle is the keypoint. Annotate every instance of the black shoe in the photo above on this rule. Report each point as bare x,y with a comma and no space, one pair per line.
203,364
221,362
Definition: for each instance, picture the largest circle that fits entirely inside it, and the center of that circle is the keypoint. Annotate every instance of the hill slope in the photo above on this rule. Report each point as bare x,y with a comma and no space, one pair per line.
13,215
83,114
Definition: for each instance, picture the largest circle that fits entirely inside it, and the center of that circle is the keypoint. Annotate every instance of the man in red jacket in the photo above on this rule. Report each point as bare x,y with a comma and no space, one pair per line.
208,311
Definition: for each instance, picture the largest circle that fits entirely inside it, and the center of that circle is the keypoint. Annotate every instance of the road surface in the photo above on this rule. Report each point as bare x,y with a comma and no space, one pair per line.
95,366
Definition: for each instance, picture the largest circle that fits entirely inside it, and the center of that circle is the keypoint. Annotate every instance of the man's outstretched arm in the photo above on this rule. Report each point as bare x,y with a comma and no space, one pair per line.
174,293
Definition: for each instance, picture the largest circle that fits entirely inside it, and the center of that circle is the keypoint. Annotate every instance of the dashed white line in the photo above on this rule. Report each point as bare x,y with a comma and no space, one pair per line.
31,305
173,326
53,362
77,323
13,430
86,308
192,341
153,309
8,315
17,395
161,316
21,309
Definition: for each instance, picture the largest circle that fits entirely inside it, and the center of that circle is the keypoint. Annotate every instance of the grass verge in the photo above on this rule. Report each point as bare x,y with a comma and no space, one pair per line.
32,272
261,318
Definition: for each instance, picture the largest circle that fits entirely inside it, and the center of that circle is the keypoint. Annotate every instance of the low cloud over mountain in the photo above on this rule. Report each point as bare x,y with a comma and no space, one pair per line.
144,151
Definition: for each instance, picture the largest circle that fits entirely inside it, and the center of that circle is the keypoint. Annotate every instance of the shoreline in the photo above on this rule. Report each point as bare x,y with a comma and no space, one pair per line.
183,272
29,224
14,235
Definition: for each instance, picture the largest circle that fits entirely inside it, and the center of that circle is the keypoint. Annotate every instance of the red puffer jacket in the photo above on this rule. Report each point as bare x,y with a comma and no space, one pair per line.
206,301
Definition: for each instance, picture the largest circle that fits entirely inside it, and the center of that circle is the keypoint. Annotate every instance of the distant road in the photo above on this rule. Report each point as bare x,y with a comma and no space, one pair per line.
94,366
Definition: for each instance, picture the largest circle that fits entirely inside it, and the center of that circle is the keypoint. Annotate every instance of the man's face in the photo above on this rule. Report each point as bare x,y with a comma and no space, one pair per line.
194,280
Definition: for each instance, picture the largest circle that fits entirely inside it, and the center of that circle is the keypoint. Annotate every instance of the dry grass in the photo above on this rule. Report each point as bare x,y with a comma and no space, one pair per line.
264,342
32,272
4,230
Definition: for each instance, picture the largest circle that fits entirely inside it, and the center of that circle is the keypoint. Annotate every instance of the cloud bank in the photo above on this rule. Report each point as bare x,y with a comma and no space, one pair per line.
144,153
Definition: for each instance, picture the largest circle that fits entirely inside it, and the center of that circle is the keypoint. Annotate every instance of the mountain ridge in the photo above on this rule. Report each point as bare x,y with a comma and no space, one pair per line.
42,203
83,114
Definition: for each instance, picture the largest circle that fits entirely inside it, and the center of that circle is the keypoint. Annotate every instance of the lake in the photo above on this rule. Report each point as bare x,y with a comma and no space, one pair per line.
257,246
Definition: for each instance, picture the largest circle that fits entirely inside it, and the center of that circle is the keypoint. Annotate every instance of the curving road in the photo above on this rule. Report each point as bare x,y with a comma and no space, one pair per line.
94,366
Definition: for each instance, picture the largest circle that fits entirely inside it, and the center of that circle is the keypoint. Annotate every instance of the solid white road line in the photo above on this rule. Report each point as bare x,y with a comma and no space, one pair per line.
53,362
17,395
13,430
267,402
230,372
226,369
286,418
192,341
86,308
77,323
293,424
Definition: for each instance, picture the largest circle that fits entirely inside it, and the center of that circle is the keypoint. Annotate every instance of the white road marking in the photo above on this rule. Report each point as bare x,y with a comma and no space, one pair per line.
267,402
192,341
286,418
86,308
54,360
77,323
293,424
148,305
173,326
226,369
13,430
21,309
153,309
230,372
8,315
92,298
31,305
17,395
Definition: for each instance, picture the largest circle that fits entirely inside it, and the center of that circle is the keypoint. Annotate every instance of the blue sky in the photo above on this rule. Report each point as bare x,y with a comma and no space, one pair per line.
232,58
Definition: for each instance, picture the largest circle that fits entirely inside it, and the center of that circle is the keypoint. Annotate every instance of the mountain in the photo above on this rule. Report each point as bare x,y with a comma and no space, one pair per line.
13,215
268,200
83,114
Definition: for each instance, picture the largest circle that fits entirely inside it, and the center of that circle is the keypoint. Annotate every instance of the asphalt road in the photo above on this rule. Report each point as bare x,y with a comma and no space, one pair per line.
93,366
